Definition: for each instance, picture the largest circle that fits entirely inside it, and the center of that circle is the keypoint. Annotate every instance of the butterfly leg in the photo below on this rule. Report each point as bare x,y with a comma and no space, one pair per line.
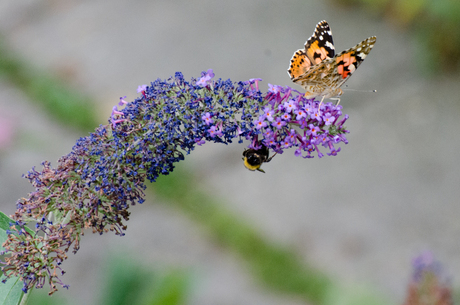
319,106
336,99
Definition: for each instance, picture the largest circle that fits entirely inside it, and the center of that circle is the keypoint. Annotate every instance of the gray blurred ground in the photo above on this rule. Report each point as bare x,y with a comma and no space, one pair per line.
361,216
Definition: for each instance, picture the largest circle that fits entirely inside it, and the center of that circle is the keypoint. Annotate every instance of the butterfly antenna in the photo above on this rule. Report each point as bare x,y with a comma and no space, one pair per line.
356,90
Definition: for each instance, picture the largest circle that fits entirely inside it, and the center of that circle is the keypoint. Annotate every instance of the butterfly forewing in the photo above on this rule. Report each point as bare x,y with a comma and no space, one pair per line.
317,48
320,45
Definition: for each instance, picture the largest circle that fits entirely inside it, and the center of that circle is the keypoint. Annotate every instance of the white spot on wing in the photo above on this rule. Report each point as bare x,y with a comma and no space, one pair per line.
330,45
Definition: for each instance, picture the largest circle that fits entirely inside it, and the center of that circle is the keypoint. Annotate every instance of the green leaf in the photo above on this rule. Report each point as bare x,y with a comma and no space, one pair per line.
11,292
5,221
5,225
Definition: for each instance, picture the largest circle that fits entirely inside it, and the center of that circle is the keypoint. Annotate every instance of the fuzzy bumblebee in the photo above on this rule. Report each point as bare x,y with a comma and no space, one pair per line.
254,158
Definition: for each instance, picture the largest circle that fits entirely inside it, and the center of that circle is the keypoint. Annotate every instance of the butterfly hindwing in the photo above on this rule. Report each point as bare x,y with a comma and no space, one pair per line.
299,64
349,60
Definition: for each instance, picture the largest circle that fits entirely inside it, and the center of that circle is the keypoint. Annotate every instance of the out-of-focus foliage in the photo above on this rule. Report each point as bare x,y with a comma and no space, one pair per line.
127,281
131,282
434,23
51,93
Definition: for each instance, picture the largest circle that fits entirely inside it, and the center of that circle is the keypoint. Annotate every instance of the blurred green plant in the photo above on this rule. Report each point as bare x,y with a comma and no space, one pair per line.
435,24
66,105
275,266
129,282
41,297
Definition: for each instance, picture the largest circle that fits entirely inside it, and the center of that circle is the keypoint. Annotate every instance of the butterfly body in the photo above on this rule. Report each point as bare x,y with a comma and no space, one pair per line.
318,70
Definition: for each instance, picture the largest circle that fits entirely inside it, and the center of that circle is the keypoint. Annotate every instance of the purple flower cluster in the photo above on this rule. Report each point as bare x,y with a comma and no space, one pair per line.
428,285
293,121
105,173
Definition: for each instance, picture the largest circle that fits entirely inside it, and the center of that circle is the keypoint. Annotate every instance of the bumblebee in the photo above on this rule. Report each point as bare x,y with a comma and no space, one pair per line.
253,158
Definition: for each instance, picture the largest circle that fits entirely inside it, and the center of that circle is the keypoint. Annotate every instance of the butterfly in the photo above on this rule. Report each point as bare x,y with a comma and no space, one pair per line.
319,71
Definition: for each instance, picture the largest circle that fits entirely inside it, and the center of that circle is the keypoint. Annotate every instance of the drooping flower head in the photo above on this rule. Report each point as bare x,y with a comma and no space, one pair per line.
94,185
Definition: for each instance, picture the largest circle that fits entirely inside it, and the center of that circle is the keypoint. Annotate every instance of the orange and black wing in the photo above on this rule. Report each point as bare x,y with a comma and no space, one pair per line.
349,60
317,48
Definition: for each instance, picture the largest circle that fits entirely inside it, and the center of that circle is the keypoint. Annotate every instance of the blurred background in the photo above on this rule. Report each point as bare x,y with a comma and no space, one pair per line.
355,220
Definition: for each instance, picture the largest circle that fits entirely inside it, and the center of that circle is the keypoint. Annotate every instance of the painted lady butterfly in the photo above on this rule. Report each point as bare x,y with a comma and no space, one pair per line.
320,72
